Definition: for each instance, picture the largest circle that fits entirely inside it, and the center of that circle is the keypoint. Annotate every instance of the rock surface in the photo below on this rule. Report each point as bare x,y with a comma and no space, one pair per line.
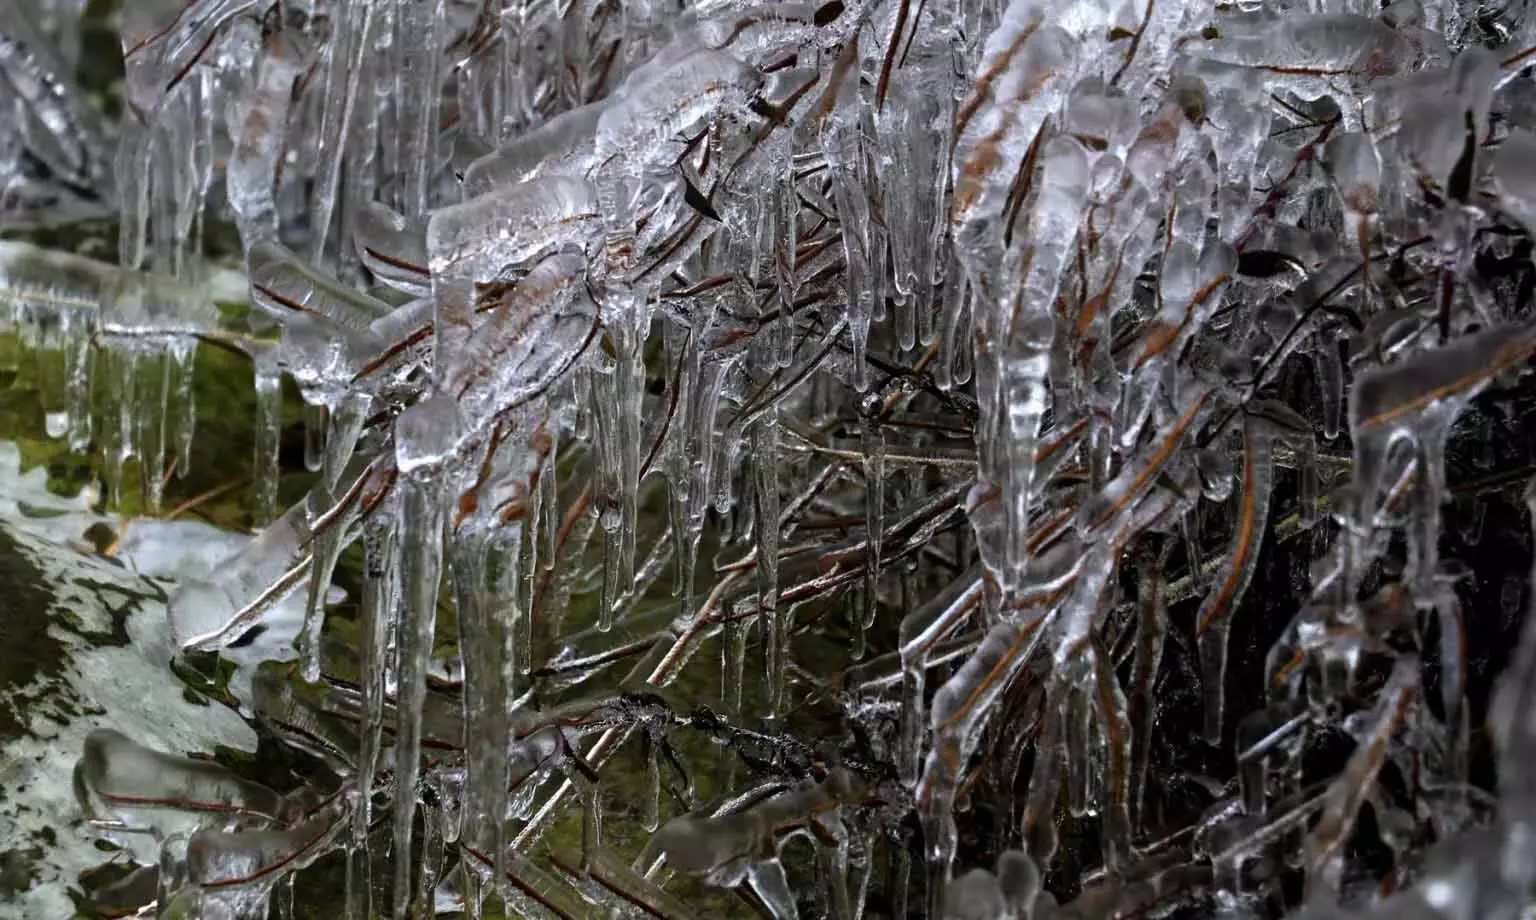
84,644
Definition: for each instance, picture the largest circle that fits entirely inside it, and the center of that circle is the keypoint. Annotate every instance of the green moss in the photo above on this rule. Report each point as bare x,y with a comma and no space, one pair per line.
206,676
215,486
21,420
17,872
221,467
34,659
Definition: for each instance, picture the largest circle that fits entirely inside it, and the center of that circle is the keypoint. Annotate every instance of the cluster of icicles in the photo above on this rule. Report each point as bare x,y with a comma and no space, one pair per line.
961,316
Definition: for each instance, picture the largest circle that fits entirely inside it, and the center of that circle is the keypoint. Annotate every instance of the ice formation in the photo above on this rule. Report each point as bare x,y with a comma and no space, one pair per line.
915,359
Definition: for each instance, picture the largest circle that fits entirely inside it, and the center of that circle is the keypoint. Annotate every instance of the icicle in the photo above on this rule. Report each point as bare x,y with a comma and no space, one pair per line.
1330,382
1151,630
269,432
650,816
329,539
919,632
75,327
380,616
421,524
624,433
132,170
523,562
346,60
251,177
183,353
785,266
733,665
122,395
1213,622
871,413
771,885
418,55
1419,396
314,436
840,144
424,437
154,407
1453,683
703,453
1077,727
1038,824
482,569
172,870
682,358
1028,334
960,708
952,345
282,898
1306,481
1113,737
765,453
52,385
429,863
